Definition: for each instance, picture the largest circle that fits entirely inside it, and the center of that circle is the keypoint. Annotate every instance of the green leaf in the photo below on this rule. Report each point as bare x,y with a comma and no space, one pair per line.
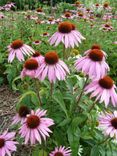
102,151
42,153
35,99
65,122
1,80
69,85
13,83
38,152
73,138
80,119
59,99
95,151
31,94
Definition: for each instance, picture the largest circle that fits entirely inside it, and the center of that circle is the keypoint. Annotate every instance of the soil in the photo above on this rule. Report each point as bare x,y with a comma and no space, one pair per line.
8,100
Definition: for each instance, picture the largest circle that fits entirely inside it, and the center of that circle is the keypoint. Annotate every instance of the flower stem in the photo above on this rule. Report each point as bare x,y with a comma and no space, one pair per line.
63,51
105,140
90,109
93,105
30,151
51,88
37,89
43,153
79,98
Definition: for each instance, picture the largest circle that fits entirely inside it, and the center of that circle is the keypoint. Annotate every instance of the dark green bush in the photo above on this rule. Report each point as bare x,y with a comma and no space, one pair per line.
32,4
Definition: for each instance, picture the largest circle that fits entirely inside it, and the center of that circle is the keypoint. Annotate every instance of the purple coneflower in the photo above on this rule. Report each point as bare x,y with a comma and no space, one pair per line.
107,16
1,8
81,15
8,6
37,42
97,5
58,20
106,27
104,90
53,68
19,49
51,20
45,34
61,151
31,67
36,127
67,15
21,115
88,10
34,17
77,4
7,145
106,6
108,123
115,42
93,63
2,16
67,34
39,58
40,11
39,22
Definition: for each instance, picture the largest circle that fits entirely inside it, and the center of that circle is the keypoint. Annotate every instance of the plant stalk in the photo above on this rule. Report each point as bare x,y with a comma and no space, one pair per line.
79,98
51,88
37,89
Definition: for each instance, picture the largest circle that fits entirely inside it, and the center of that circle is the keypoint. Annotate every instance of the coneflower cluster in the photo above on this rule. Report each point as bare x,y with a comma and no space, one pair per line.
94,66
102,87
34,126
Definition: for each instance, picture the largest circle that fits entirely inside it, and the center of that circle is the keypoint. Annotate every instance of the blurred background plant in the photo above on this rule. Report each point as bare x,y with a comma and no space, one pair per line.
23,28
31,4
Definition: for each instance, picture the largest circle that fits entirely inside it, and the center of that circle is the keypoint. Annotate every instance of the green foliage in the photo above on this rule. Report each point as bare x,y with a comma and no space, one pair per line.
74,125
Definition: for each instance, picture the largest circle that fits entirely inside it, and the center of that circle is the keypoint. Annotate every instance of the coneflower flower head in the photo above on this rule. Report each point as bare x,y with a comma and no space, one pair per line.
19,49
21,114
38,57
31,67
52,67
93,63
67,34
36,127
108,124
61,151
7,143
104,90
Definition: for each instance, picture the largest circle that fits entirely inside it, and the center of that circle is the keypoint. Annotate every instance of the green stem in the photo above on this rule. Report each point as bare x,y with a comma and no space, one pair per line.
90,109
63,51
79,98
51,89
105,140
93,105
30,152
37,89
43,152
51,5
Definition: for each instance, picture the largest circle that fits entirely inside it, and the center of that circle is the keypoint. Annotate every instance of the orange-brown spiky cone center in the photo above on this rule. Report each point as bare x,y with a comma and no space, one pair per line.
51,58
95,46
17,44
65,27
96,55
23,111
2,142
31,64
114,122
106,82
58,154
33,121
